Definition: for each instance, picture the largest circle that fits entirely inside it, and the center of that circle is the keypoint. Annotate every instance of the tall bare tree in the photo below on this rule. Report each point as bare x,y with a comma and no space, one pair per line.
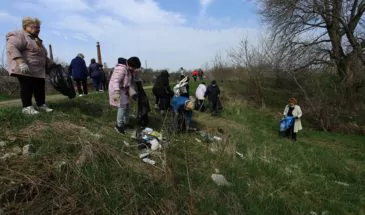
333,30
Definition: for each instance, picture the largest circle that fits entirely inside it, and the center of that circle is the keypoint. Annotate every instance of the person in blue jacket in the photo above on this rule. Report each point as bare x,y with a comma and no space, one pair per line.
96,73
79,73
182,108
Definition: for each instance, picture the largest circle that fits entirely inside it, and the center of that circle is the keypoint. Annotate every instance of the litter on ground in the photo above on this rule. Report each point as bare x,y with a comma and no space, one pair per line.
220,180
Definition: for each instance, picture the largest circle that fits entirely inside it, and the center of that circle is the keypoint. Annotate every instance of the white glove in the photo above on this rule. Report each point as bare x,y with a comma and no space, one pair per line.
24,68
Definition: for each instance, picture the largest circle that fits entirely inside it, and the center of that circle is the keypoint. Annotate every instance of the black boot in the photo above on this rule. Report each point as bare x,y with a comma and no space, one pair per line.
120,129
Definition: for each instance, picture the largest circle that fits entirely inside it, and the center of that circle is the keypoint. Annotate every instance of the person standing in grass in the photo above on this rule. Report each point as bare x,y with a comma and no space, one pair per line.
292,109
27,60
162,92
119,88
199,94
79,73
95,72
213,93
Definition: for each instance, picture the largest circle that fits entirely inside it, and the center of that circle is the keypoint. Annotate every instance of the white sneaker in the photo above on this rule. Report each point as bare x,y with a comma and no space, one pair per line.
30,111
44,108
101,91
81,95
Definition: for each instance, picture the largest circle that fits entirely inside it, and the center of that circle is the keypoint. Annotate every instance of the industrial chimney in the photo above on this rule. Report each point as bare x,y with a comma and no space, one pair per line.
99,53
50,52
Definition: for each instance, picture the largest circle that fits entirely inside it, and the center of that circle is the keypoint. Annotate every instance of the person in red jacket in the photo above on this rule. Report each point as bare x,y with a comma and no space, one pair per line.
195,74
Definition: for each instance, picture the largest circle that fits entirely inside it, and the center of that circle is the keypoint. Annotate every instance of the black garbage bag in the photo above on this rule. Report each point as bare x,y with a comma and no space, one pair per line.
61,81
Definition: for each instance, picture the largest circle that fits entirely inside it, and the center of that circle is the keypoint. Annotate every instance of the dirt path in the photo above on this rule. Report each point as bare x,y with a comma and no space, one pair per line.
57,97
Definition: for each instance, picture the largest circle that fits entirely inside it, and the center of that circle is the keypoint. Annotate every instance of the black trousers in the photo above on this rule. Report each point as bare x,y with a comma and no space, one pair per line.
200,106
82,90
291,134
213,106
30,86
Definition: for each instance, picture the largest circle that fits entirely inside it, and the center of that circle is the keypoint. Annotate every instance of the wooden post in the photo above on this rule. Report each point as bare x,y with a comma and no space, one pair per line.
99,53
50,52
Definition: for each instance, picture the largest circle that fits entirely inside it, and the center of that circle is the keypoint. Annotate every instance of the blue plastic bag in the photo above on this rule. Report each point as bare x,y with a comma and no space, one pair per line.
285,123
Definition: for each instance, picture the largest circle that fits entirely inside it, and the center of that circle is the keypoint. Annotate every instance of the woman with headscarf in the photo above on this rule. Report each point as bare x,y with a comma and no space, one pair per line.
27,60
292,109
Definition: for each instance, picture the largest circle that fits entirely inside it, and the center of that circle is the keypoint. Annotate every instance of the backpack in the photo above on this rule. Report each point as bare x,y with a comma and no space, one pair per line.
61,81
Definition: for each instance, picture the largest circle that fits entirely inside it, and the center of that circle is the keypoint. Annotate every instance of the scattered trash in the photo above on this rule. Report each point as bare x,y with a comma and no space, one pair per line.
97,136
240,154
17,150
28,149
126,143
12,139
197,140
342,183
149,161
8,155
155,144
213,148
220,180
3,143
61,165
144,155
313,213
217,138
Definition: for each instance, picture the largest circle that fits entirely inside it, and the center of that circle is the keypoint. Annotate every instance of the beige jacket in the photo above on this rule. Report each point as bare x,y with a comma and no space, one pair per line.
19,44
297,112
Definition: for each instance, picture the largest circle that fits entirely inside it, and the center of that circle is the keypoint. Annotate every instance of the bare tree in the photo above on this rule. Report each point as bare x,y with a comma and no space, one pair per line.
253,61
332,29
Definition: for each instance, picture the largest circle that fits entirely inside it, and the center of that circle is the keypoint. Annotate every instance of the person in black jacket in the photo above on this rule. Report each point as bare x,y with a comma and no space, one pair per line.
213,93
162,91
143,105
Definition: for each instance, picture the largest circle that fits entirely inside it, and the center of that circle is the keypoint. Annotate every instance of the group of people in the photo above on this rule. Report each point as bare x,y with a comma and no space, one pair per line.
27,61
79,72
179,100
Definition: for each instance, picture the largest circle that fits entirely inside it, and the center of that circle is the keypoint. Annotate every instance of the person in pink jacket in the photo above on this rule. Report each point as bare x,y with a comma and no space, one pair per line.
27,60
119,88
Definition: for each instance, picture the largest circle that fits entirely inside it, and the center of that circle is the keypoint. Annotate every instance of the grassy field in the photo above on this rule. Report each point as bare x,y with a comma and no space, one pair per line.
82,166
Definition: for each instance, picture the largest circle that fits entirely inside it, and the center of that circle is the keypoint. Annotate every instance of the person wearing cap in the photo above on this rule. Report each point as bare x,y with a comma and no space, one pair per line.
292,109
119,90
79,73
27,61
213,93
182,109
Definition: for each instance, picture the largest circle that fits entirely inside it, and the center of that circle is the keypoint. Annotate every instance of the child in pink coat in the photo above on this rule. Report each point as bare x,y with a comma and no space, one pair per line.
119,86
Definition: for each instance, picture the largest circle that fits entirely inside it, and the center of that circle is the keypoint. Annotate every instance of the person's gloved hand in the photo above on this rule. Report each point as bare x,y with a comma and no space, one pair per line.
116,97
24,68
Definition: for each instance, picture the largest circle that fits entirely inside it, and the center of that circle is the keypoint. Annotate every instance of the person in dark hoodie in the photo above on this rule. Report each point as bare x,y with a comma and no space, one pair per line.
213,93
95,73
162,90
